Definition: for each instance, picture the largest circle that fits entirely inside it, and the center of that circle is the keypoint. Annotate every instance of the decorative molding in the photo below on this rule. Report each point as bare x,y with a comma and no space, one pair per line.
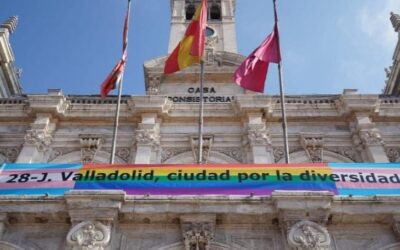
168,153
235,153
57,152
307,235
393,153
198,231
259,137
89,235
90,145
40,138
10,153
371,137
395,19
207,145
153,84
124,154
313,145
148,137
347,152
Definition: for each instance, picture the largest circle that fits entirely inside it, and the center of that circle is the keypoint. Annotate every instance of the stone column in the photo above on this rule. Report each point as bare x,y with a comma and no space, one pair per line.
93,215
302,218
368,139
198,231
258,139
147,138
37,140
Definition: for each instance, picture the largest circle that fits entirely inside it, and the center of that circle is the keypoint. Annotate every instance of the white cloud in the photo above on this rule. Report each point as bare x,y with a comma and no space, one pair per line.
373,21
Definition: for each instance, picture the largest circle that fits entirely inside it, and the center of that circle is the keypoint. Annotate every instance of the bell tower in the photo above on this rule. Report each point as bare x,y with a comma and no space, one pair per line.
221,30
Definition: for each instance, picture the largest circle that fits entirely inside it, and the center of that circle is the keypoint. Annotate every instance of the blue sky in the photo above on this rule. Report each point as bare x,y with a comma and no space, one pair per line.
327,45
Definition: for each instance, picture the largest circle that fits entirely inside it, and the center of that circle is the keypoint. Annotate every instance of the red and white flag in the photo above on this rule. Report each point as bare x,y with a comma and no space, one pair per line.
116,74
252,73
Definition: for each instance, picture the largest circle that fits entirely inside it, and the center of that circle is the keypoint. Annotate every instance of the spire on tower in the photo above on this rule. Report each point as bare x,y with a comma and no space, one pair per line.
10,24
395,19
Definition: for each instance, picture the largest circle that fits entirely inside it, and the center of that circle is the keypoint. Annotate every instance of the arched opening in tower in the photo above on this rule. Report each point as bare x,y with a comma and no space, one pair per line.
190,10
215,12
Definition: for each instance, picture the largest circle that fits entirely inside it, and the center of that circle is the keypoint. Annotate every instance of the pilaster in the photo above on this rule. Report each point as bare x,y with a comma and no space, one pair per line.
302,217
147,138
258,139
37,140
94,215
368,139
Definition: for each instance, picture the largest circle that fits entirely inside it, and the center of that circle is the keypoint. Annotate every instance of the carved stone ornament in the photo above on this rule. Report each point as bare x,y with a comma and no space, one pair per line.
90,144
168,153
307,235
10,154
124,153
207,144
347,152
89,235
198,236
235,153
393,154
313,145
154,83
40,138
371,137
147,137
259,137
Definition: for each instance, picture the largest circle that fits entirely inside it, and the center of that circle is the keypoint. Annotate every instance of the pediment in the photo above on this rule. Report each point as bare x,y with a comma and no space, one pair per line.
219,67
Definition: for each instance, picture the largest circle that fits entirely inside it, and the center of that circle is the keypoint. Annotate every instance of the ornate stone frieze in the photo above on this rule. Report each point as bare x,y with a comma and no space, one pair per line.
90,144
371,137
207,145
307,235
197,231
235,153
168,153
57,152
147,137
279,152
347,152
124,153
89,235
40,138
10,154
259,137
153,85
393,154
313,145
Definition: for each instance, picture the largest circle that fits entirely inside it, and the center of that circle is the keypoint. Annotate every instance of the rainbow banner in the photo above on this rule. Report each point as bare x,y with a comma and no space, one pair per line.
363,179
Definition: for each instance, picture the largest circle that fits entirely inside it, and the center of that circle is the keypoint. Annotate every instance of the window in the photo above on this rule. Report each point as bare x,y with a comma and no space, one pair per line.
190,10
215,12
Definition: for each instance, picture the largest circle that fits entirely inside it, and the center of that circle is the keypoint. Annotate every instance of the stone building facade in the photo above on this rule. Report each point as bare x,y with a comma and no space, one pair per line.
161,128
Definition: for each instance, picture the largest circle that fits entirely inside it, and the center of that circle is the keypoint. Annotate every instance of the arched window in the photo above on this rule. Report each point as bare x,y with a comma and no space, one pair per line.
215,12
190,10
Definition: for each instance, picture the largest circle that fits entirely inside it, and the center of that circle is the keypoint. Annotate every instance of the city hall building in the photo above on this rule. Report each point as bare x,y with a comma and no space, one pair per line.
161,128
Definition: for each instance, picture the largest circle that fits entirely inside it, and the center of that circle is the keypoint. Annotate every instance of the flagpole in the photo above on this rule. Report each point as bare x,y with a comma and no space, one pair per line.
117,111
282,96
201,116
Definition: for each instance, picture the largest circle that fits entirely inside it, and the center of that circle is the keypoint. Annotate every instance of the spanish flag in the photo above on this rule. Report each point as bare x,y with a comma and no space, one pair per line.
190,49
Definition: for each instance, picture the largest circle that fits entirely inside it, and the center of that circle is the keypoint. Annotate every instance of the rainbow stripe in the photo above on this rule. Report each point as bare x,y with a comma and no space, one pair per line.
219,179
